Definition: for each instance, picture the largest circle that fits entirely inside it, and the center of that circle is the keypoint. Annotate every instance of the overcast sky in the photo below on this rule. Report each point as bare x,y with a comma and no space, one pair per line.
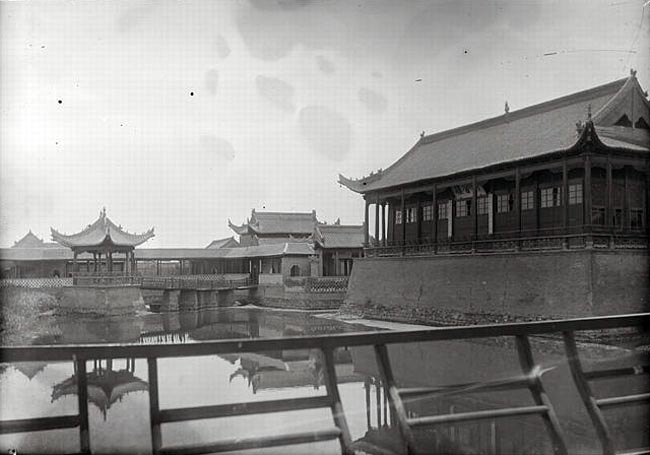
180,115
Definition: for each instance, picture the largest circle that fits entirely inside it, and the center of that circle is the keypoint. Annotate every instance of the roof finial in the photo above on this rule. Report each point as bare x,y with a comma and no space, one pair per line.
507,108
103,212
589,112
422,134
632,72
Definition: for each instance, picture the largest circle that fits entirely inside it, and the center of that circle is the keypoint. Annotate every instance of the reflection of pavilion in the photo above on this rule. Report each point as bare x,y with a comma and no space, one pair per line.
30,369
105,385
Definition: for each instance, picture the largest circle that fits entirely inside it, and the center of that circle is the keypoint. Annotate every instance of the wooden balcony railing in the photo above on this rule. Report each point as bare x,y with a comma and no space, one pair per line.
521,332
550,239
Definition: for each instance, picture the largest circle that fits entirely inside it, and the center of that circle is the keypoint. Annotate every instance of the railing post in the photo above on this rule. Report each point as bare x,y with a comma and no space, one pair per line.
539,394
337,408
154,407
585,393
396,404
82,400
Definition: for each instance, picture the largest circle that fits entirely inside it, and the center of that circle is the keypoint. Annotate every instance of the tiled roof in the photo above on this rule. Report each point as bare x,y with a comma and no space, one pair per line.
526,133
338,236
31,241
289,239
228,242
273,223
102,231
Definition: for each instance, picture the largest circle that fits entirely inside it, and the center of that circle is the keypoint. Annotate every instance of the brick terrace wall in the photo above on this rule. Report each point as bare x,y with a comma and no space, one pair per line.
499,287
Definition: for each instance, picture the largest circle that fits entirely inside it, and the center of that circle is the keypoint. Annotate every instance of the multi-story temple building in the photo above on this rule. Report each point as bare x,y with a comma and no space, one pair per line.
275,227
565,176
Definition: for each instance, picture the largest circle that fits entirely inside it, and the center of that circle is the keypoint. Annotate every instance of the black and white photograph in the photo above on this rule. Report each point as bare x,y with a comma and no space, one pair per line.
356,227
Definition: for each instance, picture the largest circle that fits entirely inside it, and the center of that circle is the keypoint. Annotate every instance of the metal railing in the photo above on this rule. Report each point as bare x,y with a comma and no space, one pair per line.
327,344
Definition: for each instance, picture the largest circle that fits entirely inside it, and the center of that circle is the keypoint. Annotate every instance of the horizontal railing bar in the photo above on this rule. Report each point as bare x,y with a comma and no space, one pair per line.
471,387
477,415
644,451
38,424
331,341
238,409
617,372
254,443
624,400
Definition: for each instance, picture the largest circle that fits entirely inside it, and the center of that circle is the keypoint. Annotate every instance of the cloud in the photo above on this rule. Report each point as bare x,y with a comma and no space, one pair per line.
372,100
217,147
212,81
276,91
326,131
324,65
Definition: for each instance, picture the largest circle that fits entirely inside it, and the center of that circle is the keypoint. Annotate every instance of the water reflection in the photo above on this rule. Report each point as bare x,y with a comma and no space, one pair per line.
105,385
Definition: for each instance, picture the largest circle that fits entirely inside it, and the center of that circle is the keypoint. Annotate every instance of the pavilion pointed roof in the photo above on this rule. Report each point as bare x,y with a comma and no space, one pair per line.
521,134
102,232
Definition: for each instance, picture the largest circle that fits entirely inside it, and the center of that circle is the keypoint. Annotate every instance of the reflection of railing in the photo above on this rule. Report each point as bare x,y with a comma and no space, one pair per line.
539,241
36,282
327,344
326,285
190,283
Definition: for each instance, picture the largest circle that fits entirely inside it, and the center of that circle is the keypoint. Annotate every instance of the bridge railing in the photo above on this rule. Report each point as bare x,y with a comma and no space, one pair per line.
192,283
35,282
380,341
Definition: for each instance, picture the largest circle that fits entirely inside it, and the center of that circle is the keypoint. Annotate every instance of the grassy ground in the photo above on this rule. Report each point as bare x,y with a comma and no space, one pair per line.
21,309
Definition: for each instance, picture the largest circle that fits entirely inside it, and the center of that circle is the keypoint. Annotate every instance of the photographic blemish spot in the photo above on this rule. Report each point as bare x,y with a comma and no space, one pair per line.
60,101
465,51
191,93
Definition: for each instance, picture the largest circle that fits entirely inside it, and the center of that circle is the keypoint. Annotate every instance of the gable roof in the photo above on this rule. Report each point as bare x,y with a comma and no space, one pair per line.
228,242
526,133
30,240
102,231
274,223
339,236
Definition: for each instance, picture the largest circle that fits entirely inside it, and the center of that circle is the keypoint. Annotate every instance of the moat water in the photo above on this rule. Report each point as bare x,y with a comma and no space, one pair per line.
118,389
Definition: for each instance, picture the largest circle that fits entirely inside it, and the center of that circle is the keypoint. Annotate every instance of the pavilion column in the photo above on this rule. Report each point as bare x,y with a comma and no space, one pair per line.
377,221
95,262
587,192
383,223
434,213
608,188
366,233
626,199
74,262
99,262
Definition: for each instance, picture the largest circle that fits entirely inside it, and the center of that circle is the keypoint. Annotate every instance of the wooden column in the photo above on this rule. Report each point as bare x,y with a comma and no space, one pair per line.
403,209
383,223
74,262
336,263
518,199
565,193
377,221
434,214
418,221
474,208
365,224
587,192
626,200
608,188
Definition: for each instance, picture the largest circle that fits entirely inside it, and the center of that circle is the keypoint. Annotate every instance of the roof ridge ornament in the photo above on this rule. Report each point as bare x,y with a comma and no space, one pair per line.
589,112
632,72
506,108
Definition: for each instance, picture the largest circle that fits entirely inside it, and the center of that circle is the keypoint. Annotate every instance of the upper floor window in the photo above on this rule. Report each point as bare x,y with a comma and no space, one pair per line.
598,216
636,218
482,205
442,211
617,218
551,197
575,194
463,208
504,203
410,215
527,200
427,213
398,217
